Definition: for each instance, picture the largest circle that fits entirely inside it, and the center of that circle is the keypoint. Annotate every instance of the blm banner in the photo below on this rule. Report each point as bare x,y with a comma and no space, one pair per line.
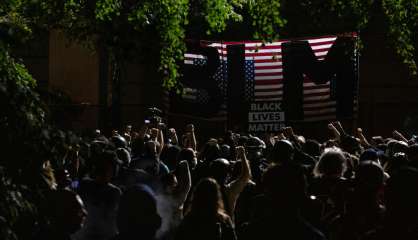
202,78
313,79
265,117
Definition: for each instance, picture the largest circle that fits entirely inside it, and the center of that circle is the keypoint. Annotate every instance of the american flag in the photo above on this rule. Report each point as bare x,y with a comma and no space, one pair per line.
220,77
264,75
264,65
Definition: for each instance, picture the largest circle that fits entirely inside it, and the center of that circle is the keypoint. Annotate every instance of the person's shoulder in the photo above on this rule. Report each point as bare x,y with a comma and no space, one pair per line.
114,189
258,229
164,170
85,183
311,232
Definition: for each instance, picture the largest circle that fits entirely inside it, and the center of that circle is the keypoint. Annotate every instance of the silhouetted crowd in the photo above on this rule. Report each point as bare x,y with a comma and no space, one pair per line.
154,184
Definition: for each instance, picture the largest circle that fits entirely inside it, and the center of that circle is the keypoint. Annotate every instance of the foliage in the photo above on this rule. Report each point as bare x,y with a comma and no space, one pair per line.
22,111
12,205
266,18
403,22
21,115
155,30
398,22
171,16
27,142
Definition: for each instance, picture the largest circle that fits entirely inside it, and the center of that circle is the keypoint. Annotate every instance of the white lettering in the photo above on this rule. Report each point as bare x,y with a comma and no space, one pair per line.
265,127
254,117
262,107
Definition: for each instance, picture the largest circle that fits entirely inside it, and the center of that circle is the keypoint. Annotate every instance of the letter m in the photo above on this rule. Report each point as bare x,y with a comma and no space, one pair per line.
339,67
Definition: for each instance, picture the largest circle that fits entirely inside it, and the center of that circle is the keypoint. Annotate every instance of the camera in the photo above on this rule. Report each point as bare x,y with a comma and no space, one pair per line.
154,118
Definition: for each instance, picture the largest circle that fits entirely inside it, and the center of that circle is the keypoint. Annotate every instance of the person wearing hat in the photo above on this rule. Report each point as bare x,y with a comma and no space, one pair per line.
370,155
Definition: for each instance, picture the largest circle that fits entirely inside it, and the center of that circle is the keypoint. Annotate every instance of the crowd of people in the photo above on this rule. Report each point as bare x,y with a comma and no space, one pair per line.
156,184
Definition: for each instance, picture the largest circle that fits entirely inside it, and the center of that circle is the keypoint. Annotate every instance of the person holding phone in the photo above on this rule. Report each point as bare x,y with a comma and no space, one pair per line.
189,138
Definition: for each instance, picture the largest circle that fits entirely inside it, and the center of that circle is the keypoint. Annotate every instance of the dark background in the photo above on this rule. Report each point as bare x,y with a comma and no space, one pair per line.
388,95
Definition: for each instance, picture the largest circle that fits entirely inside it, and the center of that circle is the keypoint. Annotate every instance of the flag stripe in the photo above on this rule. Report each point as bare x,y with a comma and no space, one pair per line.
319,112
269,86
271,77
261,99
267,82
319,104
270,71
270,93
268,65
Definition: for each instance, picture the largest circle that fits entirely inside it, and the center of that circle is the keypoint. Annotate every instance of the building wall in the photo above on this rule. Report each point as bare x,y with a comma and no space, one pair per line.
74,70
388,94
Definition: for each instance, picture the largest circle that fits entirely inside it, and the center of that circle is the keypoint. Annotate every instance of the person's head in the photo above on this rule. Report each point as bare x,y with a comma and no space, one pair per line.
207,198
229,139
400,146
282,152
138,146
169,156
219,170
98,146
351,145
285,185
84,150
332,163
352,161
119,141
169,182
225,151
62,177
401,194
370,155
65,210
382,147
255,142
242,140
137,213
413,154
329,144
107,165
124,156
394,146
150,149
369,177
211,151
376,140
254,154
397,161
312,147
189,155
186,140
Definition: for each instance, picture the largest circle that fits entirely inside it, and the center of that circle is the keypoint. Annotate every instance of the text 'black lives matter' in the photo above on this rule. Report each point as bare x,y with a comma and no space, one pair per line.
265,117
